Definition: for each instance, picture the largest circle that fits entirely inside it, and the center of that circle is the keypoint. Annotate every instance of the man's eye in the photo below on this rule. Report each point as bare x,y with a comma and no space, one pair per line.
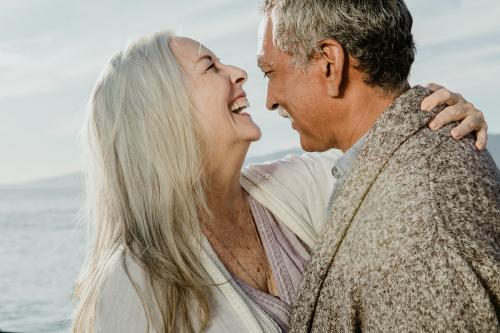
266,75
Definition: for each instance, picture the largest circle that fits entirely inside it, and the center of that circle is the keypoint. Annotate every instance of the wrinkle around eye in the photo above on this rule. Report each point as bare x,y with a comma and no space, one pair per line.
212,66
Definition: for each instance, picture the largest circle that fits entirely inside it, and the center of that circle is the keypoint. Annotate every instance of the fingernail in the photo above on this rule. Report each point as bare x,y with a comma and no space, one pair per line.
425,106
433,125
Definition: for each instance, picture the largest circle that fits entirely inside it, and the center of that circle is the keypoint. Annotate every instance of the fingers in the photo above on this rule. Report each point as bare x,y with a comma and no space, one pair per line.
471,123
456,112
482,138
467,126
472,120
433,87
440,97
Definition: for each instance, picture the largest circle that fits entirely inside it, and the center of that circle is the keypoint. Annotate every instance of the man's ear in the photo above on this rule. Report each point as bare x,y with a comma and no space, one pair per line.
333,58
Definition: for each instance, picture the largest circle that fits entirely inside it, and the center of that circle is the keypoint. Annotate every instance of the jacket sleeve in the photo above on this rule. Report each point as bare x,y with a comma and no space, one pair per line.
435,290
452,282
119,309
296,189
465,194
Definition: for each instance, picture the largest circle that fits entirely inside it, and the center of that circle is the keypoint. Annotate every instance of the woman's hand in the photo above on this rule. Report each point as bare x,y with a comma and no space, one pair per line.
472,120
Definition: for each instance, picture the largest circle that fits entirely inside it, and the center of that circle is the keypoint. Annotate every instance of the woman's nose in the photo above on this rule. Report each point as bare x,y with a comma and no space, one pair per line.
237,75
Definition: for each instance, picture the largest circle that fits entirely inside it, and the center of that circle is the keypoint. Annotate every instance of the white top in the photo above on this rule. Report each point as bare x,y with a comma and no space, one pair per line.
295,189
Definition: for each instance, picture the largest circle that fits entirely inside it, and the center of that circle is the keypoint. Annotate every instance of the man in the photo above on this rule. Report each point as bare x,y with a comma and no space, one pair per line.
410,245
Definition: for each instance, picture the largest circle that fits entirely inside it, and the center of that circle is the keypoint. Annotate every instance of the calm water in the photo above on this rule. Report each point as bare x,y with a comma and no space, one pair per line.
41,250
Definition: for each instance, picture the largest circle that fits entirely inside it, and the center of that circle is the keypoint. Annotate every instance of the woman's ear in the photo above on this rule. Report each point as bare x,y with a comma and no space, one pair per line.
333,56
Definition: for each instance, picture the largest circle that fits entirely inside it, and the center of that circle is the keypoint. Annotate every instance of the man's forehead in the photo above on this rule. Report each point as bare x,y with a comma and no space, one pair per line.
264,42
261,34
265,58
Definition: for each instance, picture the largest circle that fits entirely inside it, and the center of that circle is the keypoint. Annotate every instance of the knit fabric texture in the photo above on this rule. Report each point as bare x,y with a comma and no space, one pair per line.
412,241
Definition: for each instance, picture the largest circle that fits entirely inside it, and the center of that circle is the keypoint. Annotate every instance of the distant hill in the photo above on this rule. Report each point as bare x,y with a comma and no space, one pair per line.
75,180
70,181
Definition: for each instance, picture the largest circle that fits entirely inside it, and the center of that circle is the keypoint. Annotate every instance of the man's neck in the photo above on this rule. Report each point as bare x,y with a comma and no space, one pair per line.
365,105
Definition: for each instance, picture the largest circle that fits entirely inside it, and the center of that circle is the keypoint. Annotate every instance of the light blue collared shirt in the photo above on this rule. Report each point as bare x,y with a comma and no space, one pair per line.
343,167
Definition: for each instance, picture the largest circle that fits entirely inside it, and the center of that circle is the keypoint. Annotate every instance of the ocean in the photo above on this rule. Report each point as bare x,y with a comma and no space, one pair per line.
41,251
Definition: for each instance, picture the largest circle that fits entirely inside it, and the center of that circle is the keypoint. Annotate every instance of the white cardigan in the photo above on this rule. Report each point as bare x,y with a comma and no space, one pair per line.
295,189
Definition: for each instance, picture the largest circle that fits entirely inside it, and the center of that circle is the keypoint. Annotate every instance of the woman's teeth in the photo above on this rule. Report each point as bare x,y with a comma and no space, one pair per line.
239,105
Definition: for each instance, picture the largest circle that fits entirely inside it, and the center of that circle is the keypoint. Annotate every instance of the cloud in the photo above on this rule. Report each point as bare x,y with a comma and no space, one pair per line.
459,46
52,51
450,21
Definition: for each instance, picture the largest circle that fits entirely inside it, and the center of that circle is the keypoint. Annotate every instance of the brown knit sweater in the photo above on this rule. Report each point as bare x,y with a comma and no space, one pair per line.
413,241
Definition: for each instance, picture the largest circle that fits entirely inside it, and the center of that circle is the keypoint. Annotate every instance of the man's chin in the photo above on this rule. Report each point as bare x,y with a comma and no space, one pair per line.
311,145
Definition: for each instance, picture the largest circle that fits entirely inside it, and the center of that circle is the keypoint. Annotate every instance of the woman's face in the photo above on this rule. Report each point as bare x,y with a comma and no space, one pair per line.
217,92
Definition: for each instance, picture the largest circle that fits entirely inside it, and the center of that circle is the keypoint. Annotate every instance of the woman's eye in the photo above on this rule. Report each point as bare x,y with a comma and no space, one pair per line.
266,75
210,67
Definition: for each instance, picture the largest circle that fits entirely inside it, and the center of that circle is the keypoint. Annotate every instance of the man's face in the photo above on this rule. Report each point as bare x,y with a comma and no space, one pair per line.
298,91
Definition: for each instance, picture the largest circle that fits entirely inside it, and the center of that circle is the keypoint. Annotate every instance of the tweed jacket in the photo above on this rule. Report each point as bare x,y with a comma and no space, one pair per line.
413,240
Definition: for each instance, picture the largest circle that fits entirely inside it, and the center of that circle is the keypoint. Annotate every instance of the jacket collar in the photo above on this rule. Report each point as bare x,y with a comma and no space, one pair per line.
399,122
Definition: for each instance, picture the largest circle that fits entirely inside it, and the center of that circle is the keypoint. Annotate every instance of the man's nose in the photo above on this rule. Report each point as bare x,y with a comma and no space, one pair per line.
271,104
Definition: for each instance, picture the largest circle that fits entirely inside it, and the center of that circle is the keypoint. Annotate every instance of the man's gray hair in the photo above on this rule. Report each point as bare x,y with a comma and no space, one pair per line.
377,33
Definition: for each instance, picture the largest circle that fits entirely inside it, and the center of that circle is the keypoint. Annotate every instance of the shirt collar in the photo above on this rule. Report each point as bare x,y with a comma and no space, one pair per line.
344,164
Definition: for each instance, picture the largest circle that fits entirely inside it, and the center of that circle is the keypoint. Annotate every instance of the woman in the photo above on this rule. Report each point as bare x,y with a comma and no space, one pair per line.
178,244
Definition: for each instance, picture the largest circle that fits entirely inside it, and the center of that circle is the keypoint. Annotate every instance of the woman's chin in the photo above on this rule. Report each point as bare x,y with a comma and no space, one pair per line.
256,135
250,133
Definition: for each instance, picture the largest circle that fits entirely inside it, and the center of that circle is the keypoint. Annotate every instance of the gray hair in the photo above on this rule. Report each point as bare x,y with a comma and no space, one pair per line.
145,186
377,33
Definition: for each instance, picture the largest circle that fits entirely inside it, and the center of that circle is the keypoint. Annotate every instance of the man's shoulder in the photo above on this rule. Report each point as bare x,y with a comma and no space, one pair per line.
439,146
447,156
457,156
433,174
452,183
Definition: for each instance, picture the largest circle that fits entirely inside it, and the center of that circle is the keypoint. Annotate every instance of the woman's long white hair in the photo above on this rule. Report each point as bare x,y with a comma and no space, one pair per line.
145,185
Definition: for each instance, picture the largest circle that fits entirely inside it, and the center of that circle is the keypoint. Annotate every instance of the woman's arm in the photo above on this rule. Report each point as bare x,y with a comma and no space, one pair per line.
295,189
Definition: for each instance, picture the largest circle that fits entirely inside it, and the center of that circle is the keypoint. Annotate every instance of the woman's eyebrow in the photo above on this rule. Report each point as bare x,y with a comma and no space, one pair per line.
203,57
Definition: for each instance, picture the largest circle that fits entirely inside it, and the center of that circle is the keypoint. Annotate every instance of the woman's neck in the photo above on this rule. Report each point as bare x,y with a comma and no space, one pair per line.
224,194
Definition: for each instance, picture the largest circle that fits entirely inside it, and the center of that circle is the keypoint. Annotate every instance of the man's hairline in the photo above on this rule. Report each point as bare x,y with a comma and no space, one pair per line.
270,14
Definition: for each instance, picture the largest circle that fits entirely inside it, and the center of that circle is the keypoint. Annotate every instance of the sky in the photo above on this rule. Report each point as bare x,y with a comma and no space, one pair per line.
51,52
